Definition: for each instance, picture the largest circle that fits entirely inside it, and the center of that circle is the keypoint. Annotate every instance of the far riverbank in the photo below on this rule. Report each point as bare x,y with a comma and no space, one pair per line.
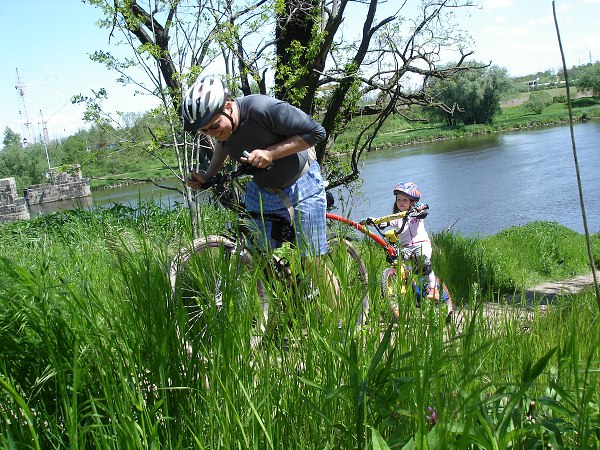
399,132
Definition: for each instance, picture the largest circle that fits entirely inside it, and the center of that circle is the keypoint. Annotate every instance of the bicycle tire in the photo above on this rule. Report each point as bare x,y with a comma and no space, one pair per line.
346,264
391,290
207,276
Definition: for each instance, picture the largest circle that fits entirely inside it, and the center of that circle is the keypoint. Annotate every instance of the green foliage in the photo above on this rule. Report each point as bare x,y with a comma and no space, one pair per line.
102,151
26,164
11,139
514,259
398,131
460,262
476,92
537,101
90,356
562,98
589,80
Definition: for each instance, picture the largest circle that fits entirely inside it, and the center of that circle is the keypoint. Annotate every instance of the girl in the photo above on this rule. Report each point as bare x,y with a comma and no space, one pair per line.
415,242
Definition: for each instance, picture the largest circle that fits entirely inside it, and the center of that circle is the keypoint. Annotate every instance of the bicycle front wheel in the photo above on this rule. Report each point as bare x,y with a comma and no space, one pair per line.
392,289
214,277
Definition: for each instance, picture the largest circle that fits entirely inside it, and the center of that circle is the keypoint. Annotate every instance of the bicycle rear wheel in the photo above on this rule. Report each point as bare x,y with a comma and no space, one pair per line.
211,277
345,263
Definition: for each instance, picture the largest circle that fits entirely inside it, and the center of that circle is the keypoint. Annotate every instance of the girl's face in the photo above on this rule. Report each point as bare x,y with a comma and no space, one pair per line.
403,201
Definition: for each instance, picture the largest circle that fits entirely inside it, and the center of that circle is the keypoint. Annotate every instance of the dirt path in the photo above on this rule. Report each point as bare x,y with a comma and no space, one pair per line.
551,289
519,305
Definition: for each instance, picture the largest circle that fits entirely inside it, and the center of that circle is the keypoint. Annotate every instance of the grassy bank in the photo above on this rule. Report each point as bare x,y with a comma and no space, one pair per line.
90,357
398,131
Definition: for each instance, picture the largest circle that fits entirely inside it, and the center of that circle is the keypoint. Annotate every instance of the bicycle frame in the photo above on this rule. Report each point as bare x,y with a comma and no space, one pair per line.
391,250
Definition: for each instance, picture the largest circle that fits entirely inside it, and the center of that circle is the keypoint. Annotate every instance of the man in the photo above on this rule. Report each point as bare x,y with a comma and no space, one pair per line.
273,135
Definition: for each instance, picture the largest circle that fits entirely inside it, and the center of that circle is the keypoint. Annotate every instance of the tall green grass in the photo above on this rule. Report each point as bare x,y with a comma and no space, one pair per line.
514,259
90,356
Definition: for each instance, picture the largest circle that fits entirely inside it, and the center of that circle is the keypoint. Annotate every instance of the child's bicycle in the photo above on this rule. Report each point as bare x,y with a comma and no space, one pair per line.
403,273
229,269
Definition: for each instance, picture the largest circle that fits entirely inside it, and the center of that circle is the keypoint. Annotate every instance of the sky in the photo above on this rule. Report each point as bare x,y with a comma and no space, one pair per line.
47,43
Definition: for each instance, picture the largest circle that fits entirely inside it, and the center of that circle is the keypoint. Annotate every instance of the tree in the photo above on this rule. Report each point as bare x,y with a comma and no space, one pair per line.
537,101
300,44
11,138
475,94
26,165
590,79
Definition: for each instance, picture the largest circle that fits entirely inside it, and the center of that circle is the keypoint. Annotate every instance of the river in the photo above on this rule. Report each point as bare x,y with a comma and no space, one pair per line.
480,184
492,182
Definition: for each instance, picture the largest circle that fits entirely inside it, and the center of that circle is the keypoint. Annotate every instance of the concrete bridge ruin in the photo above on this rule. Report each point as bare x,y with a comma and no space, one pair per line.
65,183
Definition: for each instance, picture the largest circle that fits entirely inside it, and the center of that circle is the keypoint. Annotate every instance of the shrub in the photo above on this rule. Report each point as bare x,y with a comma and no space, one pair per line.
559,99
537,101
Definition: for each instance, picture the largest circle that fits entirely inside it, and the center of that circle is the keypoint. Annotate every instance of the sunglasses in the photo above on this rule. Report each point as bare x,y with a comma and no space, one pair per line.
213,127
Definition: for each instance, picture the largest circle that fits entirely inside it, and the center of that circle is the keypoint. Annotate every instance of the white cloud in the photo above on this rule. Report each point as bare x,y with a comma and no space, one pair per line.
542,21
568,7
516,32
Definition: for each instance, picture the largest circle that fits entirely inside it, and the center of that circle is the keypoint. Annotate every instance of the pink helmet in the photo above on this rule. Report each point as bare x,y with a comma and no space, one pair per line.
408,188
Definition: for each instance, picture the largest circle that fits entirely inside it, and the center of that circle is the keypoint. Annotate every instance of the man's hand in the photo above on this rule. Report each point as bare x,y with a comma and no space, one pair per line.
258,158
195,180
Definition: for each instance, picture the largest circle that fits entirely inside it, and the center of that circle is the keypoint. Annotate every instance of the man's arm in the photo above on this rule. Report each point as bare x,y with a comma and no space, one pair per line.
196,180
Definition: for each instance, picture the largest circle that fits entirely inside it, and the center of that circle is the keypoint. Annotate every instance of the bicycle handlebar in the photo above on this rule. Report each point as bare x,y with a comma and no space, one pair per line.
222,178
412,213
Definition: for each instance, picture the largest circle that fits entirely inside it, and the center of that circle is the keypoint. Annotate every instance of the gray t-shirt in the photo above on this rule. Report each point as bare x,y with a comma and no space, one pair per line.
264,121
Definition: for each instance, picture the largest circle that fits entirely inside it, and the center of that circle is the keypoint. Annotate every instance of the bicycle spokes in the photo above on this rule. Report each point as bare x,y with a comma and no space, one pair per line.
218,289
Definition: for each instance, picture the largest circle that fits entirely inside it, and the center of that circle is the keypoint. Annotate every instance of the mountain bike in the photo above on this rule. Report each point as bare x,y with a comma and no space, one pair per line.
231,269
404,274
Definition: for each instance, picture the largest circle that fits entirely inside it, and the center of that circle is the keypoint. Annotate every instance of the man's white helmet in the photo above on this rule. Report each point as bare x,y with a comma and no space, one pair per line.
202,101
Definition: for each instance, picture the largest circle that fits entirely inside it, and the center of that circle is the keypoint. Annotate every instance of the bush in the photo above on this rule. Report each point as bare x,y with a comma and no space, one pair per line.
559,99
537,101
515,258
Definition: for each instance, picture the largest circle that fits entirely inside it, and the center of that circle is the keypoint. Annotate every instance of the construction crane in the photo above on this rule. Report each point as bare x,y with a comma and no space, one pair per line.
46,137
20,87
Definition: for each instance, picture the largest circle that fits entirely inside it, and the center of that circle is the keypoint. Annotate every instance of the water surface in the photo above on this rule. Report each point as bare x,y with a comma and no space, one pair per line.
493,182
487,183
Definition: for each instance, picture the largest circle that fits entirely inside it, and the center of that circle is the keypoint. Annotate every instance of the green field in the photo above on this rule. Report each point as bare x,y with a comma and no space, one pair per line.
90,356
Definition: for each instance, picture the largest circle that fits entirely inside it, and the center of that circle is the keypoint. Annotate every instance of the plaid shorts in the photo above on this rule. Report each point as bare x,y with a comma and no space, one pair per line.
307,196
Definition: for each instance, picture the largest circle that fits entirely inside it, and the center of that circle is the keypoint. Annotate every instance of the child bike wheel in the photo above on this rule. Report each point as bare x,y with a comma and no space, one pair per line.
346,265
217,285
391,290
